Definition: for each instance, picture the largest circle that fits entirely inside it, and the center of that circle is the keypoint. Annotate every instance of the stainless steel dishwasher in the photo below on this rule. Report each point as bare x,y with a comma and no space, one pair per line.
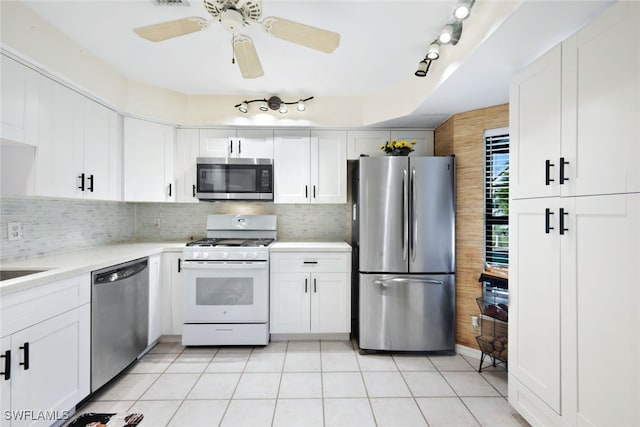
119,318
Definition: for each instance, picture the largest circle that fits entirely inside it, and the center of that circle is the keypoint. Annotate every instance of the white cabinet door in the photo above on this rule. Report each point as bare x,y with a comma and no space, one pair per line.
534,297
330,303
187,151
172,299
155,299
290,302
102,151
6,366
601,277
216,142
59,152
424,140
246,143
148,161
366,142
253,143
328,158
58,358
535,128
601,115
291,167
19,100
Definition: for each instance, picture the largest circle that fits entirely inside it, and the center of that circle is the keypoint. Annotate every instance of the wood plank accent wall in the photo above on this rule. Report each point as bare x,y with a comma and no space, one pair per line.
462,135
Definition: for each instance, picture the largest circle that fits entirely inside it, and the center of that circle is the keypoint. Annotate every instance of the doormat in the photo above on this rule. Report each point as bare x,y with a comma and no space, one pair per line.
107,420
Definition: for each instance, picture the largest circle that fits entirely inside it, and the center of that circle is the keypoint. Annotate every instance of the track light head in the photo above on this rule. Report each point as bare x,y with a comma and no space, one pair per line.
434,51
451,33
463,9
423,67
244,107
301,106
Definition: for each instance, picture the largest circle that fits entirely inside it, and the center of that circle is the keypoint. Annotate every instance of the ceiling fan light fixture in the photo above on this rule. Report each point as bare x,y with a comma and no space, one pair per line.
434,51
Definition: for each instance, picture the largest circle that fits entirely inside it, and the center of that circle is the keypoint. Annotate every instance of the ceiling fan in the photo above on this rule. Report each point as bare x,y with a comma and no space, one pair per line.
235,15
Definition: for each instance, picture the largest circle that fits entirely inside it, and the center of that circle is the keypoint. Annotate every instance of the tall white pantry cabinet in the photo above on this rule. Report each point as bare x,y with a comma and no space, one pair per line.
574,326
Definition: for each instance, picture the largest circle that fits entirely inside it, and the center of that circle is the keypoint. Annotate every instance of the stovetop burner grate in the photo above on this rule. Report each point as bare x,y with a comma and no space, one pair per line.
221,242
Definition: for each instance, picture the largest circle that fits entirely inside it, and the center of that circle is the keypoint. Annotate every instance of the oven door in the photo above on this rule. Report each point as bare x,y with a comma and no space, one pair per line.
225,291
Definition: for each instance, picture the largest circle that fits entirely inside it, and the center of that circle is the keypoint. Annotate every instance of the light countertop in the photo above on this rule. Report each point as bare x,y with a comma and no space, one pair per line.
310,247
69,264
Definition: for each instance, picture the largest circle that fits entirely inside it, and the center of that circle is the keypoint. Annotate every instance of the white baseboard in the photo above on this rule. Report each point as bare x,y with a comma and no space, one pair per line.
297,337
468,351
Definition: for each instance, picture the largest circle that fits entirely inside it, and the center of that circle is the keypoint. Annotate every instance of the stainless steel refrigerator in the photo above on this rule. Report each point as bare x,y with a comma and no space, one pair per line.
404,234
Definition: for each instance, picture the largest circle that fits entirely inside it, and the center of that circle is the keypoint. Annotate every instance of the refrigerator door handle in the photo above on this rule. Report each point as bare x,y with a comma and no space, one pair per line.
400,280
405,209
414,218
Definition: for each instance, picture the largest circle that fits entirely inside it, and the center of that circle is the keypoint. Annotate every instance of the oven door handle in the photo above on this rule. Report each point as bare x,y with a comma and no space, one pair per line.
223,265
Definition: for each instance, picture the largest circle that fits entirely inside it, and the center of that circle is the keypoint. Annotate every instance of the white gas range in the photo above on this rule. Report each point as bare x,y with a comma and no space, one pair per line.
226,282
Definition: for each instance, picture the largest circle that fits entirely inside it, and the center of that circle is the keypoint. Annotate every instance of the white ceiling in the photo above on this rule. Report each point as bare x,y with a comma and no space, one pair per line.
381,44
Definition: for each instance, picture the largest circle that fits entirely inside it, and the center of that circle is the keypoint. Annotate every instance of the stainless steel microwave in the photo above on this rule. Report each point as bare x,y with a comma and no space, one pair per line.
234,179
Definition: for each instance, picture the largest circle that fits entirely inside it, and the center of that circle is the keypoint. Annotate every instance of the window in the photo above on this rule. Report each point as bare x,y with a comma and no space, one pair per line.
496,197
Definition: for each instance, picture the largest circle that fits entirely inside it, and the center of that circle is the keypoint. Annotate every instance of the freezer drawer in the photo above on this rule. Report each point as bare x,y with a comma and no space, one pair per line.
407,312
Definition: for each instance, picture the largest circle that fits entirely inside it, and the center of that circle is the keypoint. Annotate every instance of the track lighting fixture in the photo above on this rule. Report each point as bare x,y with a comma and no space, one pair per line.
451,33
273,103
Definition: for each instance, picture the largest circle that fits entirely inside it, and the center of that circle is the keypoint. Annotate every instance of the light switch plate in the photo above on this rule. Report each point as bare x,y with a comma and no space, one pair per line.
15,231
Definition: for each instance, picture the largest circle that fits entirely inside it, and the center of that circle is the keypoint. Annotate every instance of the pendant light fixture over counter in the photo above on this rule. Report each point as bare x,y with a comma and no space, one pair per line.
274,103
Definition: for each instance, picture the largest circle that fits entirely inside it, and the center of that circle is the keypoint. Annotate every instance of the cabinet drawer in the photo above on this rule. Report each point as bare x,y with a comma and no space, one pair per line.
26,308
322,262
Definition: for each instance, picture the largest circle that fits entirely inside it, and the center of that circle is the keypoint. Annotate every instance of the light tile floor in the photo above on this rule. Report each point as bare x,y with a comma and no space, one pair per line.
306,384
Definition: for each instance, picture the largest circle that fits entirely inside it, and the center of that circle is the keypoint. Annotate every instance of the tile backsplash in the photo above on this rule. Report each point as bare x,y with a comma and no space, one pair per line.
54,225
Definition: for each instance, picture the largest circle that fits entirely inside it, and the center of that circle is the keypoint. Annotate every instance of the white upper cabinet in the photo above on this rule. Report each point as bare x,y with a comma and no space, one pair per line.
424,140
310,167
19,100
601,104
102,151
535,128
366,142
328,166
187,151
148,161
241,143
575,118
79,151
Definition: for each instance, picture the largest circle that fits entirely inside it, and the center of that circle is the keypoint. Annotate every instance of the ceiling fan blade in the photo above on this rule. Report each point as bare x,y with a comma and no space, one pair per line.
171,29
247,57
302,34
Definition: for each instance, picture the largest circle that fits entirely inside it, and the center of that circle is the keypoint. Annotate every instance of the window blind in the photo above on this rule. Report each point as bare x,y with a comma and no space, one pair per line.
496,186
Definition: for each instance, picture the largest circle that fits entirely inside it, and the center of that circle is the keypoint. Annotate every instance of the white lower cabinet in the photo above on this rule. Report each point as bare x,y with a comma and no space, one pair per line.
155,299
171,284
310,292
46,356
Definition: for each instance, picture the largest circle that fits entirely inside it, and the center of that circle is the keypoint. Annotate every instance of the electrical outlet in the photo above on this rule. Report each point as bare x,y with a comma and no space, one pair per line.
475,325
15,231
156,222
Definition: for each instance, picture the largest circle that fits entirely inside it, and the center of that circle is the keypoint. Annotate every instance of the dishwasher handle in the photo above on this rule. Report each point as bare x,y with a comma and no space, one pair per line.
118,274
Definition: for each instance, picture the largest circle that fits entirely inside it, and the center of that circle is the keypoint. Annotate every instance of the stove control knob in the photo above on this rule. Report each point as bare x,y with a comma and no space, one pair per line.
244,255
253,255
205,254
196,254
225,255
